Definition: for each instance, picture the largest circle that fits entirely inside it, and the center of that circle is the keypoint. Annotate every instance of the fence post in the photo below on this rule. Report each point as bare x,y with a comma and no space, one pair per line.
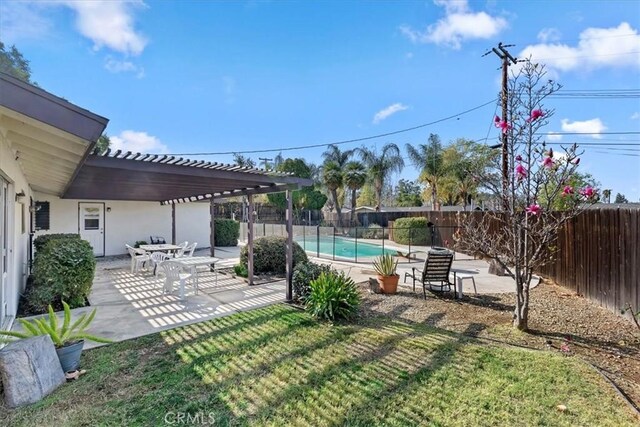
334,243
264,229
383,240
410,238
356,253
318,240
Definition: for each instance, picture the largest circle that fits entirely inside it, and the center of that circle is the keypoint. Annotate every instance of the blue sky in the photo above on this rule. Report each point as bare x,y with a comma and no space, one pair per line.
198,76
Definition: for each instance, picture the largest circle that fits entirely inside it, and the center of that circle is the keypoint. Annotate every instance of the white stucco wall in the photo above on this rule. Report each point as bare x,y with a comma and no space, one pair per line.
18,242
128,222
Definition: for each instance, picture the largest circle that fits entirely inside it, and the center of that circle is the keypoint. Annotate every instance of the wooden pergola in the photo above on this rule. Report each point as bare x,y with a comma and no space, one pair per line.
171,180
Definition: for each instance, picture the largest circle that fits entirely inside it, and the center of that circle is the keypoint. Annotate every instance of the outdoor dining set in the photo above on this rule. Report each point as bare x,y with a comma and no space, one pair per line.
177,262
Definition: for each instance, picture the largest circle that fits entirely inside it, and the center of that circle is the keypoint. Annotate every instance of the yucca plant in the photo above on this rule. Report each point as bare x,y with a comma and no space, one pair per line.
62,334
385,265
333,296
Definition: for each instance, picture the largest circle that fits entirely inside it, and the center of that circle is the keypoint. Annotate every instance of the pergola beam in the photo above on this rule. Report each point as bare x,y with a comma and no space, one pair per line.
250,240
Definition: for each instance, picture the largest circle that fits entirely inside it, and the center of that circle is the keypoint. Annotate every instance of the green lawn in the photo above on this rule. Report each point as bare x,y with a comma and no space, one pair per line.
276,366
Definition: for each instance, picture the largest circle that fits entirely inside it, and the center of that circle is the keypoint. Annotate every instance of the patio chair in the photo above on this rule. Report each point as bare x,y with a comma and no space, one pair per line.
157,240
188,250
183,248
174,273
138,258
435,273
156,258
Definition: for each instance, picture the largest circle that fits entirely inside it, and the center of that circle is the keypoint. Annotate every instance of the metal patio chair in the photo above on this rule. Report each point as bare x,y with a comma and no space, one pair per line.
435,273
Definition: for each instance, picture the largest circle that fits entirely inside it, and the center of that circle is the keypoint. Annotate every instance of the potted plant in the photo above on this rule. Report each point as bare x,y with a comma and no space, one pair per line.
68,337
388,278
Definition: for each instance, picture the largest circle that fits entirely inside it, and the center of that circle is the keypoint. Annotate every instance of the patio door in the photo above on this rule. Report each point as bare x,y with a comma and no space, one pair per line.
4,250
91,225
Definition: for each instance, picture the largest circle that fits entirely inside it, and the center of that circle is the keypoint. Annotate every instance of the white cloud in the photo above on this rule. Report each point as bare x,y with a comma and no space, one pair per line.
458,25
109,24
593,127
386,112
597,48
22,21
635,116
554,137
549,35
138,142
116,66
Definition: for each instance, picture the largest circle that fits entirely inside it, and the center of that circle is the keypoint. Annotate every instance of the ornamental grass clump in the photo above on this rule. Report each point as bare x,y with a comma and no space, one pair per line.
333,296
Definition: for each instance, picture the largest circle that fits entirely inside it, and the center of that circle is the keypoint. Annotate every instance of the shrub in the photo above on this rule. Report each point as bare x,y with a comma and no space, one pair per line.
270,255
333,296
43,239
227,232
412,231
373,231
241,270
139,243
303,274
63,269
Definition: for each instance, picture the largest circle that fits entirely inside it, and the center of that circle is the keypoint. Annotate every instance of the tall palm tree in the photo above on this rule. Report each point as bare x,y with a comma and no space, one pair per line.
428,158
380,166
355,176
332,179
333,154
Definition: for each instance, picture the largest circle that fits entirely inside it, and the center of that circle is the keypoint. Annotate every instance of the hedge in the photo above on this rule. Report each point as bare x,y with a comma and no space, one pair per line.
270,255
227,232
43,239
412,231
63,269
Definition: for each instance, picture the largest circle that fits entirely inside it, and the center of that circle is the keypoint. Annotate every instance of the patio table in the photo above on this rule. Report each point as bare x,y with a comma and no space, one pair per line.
164,247
191,263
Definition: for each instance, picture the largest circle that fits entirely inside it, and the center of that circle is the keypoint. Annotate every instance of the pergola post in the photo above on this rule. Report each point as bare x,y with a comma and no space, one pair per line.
289,293
173,223
212,227
250,240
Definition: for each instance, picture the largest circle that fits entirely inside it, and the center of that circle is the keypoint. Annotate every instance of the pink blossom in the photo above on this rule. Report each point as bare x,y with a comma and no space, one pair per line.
567,191
535,115
504,126
521,171
519,158
588,192
534,209
547,162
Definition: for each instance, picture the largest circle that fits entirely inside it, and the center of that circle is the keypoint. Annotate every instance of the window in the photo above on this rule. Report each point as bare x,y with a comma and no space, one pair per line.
91,223
42,215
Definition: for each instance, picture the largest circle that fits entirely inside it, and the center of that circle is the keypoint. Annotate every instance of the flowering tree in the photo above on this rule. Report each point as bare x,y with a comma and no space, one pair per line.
521,237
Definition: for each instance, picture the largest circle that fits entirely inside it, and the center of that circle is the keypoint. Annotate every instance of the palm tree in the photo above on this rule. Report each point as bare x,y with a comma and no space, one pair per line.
333,154
332,179
428,157
380,166
355,176
606,195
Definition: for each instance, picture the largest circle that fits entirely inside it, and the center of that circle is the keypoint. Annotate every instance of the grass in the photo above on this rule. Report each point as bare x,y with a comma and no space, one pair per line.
276,366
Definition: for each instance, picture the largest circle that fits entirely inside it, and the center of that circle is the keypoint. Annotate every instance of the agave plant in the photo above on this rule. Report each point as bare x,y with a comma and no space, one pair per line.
385,265
61,334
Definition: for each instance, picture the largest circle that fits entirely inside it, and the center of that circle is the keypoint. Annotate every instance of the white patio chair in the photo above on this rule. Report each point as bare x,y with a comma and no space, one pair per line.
156,258
183,247
174,273
138,258
188,251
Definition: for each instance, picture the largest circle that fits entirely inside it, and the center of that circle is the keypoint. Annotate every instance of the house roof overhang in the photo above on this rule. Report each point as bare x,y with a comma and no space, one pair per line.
49,136
169,179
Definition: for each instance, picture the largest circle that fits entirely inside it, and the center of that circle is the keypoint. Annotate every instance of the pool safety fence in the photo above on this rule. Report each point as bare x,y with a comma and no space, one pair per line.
359,244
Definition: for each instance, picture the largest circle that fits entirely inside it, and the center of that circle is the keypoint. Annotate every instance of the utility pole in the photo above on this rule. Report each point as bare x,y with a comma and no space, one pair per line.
265,162
507,60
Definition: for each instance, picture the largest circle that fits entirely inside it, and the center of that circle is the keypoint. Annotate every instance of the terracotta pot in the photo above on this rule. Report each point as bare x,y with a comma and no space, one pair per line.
388,284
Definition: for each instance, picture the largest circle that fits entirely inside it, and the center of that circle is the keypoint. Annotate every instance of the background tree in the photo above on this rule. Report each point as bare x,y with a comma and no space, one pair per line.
620,198
12,62
355,176
243,161
332,179
428,159
103,143
367,196
381,166
408,193
606,195
334,155
521,238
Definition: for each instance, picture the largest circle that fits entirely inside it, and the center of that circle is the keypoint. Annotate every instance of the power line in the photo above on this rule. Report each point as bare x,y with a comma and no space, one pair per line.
348,141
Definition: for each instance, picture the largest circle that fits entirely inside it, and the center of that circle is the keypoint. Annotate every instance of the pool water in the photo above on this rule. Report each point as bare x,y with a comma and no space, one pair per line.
344,248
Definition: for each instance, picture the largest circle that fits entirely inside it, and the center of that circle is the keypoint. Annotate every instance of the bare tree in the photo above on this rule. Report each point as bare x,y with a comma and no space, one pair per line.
521,238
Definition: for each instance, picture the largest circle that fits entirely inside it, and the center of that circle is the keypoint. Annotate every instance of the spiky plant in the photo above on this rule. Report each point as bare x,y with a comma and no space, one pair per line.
385,265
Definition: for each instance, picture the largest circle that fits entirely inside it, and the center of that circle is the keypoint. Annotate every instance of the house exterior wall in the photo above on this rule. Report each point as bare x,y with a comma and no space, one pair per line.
127,222
17,225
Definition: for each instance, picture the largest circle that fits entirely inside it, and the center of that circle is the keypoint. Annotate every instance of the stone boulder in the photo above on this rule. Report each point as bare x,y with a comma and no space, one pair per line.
30,370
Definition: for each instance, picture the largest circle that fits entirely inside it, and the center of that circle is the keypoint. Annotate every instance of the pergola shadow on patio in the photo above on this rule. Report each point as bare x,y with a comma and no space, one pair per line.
131,305
170,180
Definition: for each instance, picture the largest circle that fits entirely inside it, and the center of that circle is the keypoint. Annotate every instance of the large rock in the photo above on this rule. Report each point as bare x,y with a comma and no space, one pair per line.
30,370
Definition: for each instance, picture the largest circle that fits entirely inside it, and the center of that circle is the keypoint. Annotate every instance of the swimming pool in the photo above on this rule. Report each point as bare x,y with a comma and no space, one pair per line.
344,247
